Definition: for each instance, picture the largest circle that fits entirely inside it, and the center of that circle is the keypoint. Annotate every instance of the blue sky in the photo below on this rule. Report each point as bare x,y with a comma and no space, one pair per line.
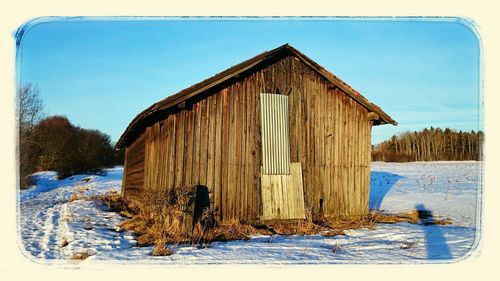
102,73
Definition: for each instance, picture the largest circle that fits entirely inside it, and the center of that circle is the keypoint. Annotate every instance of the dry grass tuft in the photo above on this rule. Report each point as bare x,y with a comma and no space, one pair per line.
299,228
444,221
226,232
165,217
75,197
81,255
116,203
335,232
160,250
64,243
414,217
306,226
157,217
350,223
411,217
78,193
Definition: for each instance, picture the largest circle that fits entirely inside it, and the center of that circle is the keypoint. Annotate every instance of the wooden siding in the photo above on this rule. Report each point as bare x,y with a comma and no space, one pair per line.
133,172
215,141
331,137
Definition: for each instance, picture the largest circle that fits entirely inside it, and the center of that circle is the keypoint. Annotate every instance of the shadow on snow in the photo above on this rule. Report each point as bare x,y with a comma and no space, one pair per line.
380,184
436,244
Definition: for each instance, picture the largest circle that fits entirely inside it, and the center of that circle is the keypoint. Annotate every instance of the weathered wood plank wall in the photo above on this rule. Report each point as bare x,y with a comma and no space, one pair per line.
330,136
215,141
133,174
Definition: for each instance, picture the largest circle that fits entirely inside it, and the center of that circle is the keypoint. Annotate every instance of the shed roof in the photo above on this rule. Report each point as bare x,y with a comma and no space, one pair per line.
217,79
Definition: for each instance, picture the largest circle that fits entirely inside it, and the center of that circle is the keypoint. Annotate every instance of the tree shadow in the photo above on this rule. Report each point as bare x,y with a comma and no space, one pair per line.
380,184
436,244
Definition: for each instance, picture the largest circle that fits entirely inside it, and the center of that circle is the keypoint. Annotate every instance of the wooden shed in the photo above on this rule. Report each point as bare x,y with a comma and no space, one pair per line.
270,138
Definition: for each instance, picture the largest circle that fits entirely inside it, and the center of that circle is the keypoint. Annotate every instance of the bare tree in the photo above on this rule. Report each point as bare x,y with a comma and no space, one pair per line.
29,107
29,113
430,145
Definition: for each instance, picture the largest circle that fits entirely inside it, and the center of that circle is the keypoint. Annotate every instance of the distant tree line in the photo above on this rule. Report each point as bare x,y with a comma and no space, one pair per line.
430,145
53,143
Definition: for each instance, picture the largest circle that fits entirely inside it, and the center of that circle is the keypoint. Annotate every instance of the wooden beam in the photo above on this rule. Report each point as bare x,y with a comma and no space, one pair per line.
181,105
372,116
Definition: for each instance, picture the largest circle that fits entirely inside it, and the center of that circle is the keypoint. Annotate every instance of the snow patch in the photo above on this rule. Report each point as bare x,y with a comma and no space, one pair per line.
54,229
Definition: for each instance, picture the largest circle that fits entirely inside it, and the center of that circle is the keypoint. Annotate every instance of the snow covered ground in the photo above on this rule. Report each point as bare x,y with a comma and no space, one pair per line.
55,229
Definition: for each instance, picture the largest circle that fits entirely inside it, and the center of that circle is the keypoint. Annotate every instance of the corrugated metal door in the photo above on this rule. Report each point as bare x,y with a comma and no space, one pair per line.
275,136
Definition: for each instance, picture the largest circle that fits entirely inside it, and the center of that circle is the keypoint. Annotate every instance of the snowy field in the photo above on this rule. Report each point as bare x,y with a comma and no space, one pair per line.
54,229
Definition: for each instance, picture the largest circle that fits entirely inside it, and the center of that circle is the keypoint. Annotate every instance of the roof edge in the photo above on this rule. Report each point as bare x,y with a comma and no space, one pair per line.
231,72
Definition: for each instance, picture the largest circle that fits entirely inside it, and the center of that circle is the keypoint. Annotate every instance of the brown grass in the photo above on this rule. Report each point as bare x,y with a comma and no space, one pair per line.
415,216
160,250
411,217
75,197
350,223
116,203
444,221
78,193
157,218
235,230
81,255
161,218
64,243
334,232
307,226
